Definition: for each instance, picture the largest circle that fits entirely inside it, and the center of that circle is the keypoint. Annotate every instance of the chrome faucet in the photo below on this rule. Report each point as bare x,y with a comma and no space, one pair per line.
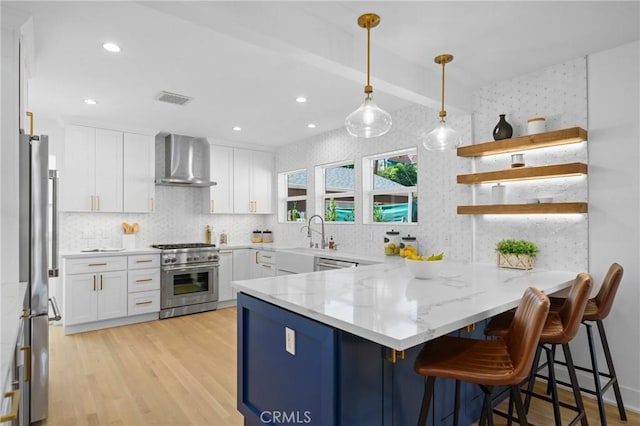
323,243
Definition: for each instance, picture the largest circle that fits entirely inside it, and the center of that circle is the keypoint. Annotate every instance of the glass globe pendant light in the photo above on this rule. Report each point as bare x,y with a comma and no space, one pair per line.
369,120
443,137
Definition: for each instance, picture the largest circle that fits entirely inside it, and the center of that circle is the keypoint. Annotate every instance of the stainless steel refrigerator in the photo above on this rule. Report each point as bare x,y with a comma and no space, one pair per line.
37,217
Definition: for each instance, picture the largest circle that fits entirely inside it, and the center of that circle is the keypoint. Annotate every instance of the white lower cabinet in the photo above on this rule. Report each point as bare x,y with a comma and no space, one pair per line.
225,276
105,291
242,264
96,296
264,264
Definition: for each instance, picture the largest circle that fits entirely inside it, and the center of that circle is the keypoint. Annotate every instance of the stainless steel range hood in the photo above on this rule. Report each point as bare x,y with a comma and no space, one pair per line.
186,161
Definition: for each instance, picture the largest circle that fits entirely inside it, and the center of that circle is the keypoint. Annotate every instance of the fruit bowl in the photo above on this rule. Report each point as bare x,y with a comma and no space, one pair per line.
424,269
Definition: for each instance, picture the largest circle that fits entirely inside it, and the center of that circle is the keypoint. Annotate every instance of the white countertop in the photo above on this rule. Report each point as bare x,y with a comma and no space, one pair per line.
11,303
108,252
385,304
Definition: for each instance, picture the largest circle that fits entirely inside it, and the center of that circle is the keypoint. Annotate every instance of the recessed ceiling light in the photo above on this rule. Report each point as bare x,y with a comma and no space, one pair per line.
111,47
90,101
311,126
301,99
237,128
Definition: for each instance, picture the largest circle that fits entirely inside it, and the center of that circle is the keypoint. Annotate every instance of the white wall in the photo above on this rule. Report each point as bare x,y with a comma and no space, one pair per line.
614,201
440,229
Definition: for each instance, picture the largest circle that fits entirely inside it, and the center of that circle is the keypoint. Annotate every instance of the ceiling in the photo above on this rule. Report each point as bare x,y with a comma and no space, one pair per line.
244,63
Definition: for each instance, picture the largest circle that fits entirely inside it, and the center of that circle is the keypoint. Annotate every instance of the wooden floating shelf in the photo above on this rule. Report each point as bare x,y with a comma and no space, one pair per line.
526,173
539,140
542,208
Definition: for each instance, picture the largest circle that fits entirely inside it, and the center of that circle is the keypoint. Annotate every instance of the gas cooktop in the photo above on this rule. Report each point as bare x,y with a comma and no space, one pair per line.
182,246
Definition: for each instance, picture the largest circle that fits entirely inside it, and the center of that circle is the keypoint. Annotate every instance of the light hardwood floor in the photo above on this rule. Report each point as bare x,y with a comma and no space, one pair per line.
180,371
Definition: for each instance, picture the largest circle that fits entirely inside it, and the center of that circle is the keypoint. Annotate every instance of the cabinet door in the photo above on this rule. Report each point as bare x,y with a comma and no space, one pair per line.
139,173
225,274
78,170
221,195
262,182
112,294
108,169
243,260
80,298
242,197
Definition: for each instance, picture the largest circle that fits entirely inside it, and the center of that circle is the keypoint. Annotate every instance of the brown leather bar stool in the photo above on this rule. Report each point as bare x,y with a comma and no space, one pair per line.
596,311
488,363
560,328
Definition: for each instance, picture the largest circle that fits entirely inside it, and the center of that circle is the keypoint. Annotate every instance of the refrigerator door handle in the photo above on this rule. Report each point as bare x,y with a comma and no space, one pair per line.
54,271
54,307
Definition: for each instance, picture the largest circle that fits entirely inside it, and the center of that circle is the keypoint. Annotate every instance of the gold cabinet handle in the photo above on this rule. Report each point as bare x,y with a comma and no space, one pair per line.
257,258
98,264
94,283
91,198
27,361
266,257
153,204
15,403
101,281
144,261
148,302
97,202
30,115
144,280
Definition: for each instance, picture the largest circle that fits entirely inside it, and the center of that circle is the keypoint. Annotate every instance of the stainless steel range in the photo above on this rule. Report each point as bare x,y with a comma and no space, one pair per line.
189,278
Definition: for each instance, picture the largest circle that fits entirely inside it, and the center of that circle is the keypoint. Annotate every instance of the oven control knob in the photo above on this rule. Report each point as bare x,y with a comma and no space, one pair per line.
211,257
173,260
166,260
195,258
189,258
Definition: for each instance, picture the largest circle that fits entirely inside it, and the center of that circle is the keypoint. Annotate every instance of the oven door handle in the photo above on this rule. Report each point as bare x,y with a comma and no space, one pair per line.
190,268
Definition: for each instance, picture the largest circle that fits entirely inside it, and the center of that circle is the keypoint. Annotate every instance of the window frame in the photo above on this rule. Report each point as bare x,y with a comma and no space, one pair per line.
322,195
284,198
368,191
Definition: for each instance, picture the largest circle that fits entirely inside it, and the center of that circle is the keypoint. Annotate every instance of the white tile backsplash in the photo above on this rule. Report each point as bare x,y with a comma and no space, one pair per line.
178,219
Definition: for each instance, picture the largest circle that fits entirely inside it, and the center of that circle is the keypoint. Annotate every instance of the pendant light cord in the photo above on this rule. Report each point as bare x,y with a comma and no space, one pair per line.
443,113
368,89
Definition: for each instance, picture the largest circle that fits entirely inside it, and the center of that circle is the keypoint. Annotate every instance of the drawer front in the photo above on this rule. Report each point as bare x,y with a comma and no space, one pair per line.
143,280
95,264
143,302
142,261
264,256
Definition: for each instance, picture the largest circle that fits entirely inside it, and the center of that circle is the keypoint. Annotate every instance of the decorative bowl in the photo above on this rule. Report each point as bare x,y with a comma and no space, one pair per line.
424,269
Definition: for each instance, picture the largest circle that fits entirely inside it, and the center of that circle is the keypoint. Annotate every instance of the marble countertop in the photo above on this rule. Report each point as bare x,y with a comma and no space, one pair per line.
11,303
108,252
385,304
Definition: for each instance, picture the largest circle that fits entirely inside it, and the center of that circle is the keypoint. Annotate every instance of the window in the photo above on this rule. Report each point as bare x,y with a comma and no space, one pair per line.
337,192
390,183
292,190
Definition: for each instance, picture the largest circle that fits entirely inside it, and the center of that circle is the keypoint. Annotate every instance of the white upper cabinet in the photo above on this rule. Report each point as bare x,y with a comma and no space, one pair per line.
139,173
92,172
107,171
220,196
252,181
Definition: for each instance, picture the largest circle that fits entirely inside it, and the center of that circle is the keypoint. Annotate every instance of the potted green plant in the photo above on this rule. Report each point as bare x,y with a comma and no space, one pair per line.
518,254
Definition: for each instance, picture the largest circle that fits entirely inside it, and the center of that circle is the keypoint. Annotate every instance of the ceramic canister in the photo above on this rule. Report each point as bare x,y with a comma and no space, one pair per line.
536,125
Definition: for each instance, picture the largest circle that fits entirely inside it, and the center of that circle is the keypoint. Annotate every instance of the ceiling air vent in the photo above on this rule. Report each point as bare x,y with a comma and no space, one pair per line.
173,98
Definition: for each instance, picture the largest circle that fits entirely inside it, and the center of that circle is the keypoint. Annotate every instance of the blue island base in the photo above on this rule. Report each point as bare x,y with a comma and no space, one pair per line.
331,377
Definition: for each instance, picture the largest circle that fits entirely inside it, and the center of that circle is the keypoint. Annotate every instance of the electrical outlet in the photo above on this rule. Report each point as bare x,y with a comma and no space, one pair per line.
290,340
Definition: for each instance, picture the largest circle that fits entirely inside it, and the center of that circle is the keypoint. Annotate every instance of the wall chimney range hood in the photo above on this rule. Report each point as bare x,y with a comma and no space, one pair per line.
186,161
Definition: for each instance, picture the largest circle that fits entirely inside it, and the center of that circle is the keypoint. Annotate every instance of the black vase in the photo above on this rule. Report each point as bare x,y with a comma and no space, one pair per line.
503,130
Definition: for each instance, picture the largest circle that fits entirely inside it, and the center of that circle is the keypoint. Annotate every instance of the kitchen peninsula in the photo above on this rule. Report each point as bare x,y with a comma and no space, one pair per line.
337,347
